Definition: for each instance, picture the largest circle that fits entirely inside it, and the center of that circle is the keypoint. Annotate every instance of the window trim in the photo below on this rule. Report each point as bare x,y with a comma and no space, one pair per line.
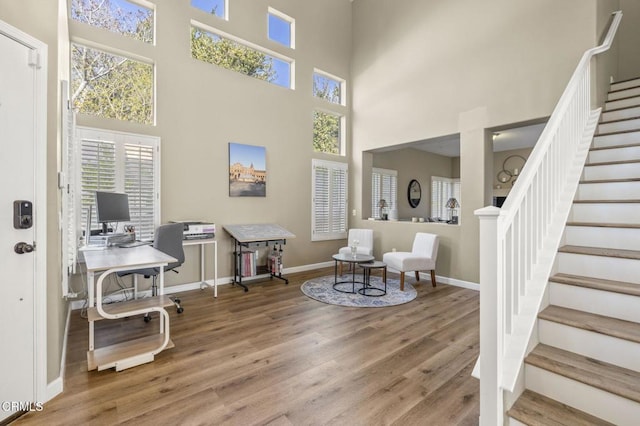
209,29
292,27
392,204
120,139
342,134
330,235
341,81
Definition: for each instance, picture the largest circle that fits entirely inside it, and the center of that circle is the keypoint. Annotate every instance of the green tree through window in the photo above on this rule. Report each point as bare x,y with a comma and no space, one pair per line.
228,54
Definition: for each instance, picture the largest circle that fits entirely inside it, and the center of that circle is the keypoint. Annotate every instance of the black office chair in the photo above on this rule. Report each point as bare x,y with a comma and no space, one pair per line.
167,239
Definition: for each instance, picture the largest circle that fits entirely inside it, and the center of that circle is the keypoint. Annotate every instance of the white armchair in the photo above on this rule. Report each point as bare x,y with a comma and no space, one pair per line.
422,257
365,242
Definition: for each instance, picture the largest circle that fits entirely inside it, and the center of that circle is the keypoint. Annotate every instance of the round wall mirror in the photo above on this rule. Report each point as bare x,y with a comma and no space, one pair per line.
414,193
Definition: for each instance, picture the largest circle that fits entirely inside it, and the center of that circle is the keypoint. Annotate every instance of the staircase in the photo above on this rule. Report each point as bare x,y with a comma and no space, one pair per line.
586,368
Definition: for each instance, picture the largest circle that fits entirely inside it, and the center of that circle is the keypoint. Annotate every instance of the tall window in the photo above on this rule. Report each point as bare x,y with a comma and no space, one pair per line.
328,87
281,28
329,200
120,162
213,7
327,132
384,186
441,190
238,56
118,16
111,86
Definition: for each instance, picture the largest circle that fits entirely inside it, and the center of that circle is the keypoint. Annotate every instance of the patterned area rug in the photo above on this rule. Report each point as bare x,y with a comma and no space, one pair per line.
321,289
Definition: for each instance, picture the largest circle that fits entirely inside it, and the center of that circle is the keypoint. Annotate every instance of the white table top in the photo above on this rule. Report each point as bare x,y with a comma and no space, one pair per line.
258,232
134,257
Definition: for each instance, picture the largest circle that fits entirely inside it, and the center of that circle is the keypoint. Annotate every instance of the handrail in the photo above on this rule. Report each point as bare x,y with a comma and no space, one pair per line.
518,242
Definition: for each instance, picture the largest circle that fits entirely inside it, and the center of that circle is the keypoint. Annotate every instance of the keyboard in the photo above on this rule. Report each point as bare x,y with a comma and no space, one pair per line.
134,244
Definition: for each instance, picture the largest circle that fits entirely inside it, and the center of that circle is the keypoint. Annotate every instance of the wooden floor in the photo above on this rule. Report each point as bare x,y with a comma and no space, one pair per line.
273,356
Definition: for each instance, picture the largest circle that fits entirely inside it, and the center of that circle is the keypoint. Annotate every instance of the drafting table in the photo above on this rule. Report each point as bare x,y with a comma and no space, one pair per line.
254,235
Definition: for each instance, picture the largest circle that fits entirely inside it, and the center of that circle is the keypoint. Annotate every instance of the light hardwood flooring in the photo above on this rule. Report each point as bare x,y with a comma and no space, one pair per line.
273,356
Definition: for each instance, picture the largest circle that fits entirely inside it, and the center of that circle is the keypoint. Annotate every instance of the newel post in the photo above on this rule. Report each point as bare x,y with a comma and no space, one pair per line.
491,314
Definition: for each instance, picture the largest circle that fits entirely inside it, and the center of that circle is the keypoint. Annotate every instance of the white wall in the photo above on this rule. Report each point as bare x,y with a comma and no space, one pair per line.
629,40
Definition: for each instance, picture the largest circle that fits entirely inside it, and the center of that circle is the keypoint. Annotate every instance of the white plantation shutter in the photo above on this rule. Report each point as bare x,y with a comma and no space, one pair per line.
121,162
139,183
384,186
67,183
441,190
329,200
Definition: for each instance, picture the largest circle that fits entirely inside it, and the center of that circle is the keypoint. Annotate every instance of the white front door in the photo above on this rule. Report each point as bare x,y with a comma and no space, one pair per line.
17,285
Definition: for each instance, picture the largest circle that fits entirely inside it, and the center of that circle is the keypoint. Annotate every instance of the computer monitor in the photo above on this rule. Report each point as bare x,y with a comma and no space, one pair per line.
111,207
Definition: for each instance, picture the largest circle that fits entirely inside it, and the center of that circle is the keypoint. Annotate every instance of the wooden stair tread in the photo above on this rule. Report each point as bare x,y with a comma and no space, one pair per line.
597,284
608,377
626,88
624,180
618,120
602,148
606,225
598,251
611,163
613,327
108,356
534,409
605,201
122,308
617,132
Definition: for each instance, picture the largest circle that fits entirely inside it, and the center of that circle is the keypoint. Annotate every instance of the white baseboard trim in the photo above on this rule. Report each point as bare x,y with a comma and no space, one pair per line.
78,304
55,387
446,280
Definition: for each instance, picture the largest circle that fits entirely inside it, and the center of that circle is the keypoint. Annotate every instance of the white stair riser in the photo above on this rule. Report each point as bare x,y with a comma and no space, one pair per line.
607,303
619,126
513,422
616,139
612,171
607,268
609,191
614,154
599,403
620,352
623,103
594,236
606,213
621,114
625,84
625,93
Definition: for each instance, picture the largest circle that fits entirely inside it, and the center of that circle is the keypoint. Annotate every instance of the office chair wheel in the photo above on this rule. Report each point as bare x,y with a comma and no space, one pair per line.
147,318
180,310
176,300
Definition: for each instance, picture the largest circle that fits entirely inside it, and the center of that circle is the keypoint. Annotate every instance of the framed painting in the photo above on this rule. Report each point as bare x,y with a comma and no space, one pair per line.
247,170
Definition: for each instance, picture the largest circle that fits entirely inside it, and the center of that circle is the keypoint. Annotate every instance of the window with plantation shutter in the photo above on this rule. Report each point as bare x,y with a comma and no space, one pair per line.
441,190
329,200
120,162
67,184
384,186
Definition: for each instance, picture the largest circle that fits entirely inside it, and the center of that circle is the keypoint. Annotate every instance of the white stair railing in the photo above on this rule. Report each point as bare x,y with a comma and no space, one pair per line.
518,242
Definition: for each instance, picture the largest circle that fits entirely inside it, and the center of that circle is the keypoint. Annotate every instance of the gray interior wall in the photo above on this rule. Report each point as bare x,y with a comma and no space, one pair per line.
629,40
419,165
427,69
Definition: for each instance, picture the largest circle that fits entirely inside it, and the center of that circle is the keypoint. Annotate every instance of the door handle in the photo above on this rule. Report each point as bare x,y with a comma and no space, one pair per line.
22,248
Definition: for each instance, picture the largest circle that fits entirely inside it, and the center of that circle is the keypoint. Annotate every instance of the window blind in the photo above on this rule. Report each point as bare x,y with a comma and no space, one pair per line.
384,186
329,200
441,190
121,162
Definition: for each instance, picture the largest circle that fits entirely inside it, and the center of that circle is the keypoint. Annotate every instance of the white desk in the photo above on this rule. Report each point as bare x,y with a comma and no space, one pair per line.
139,351
202,243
